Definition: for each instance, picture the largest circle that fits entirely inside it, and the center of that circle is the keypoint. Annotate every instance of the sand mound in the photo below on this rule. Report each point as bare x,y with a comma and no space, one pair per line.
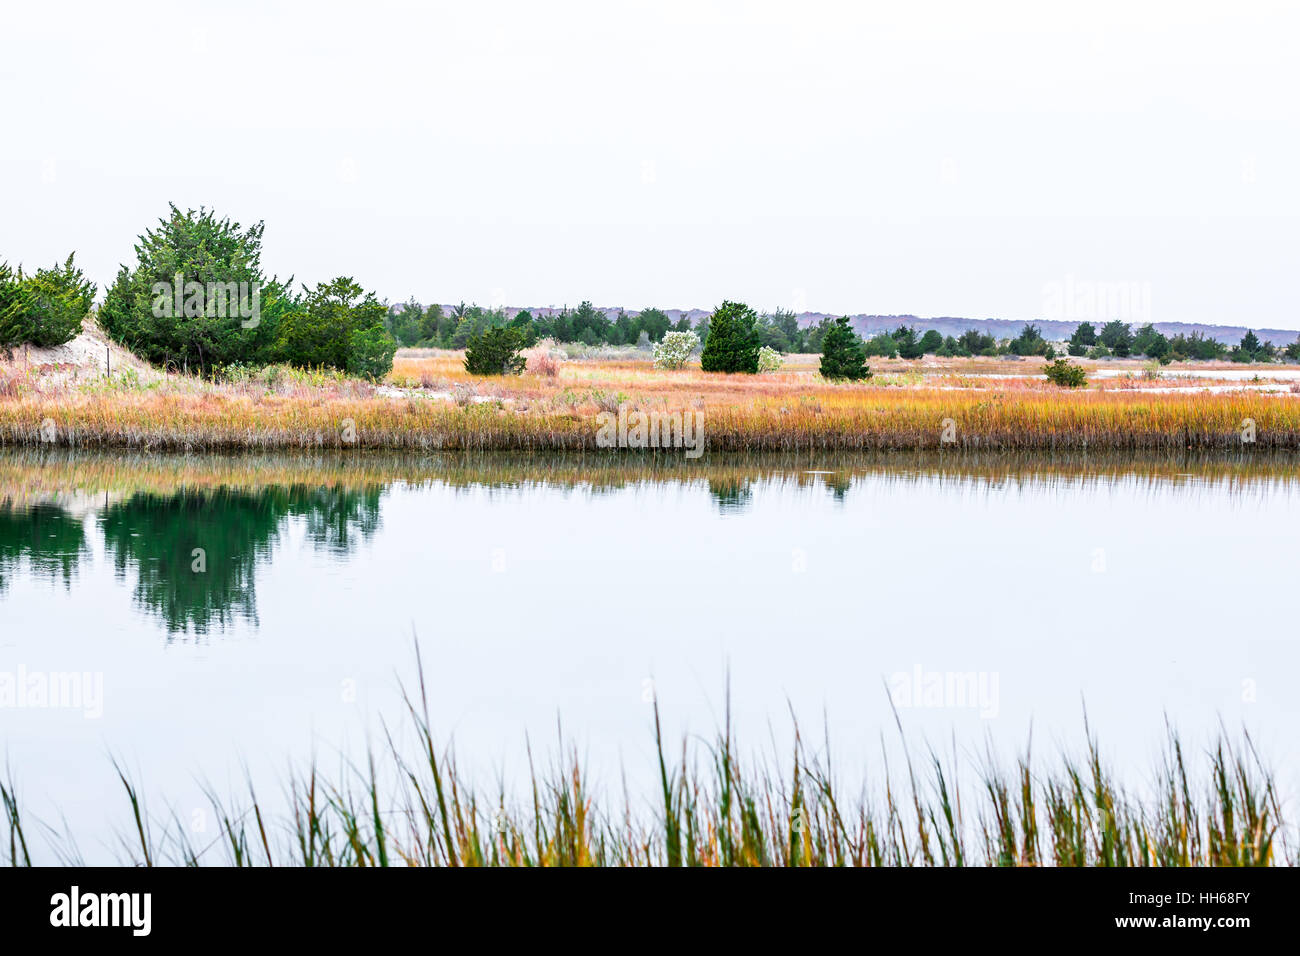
89,350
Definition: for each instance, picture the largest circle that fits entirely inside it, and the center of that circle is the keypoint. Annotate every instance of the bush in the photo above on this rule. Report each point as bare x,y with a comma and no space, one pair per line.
931,342
843,354
675,349
1066,374
46,308
370,353
319,332
769,359
543,359
224,310
733,343
12,327
495,352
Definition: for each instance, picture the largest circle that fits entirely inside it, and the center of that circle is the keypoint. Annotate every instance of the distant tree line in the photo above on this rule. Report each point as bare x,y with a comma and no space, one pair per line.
414,325
1113,339
197,299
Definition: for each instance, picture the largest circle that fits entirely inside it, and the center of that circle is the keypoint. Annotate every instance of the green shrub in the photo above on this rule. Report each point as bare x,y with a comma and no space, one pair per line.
1066,374
12,327
196,297
733,342
370,353
45,308
319,333
57,300
496,352
843,354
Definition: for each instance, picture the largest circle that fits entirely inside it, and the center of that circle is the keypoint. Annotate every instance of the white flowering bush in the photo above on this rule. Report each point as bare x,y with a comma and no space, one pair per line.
675,349
769,359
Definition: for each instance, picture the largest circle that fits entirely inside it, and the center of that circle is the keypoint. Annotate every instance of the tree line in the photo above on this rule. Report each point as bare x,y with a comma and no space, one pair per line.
197,299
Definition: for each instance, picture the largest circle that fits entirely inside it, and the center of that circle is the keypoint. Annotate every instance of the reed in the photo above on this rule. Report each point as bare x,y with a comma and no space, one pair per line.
715,807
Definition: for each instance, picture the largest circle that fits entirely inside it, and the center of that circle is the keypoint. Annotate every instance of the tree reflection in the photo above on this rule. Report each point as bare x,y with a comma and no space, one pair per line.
52,540
194,553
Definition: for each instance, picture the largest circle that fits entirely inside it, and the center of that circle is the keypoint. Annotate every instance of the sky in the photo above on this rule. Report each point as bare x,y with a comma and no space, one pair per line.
923,158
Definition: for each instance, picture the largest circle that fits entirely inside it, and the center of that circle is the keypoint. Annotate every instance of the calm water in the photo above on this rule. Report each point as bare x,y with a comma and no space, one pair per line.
560,589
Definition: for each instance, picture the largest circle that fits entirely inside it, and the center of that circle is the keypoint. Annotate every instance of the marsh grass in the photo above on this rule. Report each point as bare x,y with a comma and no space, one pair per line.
555,408
715,807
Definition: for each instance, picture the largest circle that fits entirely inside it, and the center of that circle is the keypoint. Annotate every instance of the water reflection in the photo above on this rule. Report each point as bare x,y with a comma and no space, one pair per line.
52,541
191,533
193,554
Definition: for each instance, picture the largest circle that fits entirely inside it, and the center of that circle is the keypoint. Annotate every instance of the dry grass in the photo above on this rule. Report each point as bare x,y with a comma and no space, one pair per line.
430,402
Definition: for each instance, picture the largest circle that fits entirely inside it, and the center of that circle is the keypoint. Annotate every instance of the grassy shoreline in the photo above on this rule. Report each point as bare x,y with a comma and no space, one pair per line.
862,418
430,403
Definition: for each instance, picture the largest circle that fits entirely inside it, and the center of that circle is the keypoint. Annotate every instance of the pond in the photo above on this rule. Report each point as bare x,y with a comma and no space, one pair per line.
204,618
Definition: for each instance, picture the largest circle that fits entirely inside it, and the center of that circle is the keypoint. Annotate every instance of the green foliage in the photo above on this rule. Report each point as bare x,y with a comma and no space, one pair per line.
406,323
1030,341
1196,346
843,354
226,310
320,332
45,308
881,344
430,324
1084,338
1117,337
1251,349
909,347
1066,374
495,352
370,353
931,342
975,342
12,326
733,342
1150,343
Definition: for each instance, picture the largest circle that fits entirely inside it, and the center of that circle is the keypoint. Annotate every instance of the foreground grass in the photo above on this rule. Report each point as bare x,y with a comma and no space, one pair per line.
713,808
430,403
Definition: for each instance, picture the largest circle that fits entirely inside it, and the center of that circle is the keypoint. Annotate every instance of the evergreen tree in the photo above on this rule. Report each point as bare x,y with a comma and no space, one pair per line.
430,324
906,342
495,352
843,354
733,343
321,332
211,321
1117,337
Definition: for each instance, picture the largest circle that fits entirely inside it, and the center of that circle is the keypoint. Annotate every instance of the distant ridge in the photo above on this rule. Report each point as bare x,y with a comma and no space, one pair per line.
1053,329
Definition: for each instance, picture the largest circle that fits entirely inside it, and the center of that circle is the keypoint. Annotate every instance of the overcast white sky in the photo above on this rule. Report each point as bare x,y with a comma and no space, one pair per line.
925,158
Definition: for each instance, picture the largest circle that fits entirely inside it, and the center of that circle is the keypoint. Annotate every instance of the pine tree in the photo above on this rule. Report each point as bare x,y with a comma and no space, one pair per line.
733,342
843,355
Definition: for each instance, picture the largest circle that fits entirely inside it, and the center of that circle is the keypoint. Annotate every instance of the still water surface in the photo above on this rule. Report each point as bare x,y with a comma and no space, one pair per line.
558,590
